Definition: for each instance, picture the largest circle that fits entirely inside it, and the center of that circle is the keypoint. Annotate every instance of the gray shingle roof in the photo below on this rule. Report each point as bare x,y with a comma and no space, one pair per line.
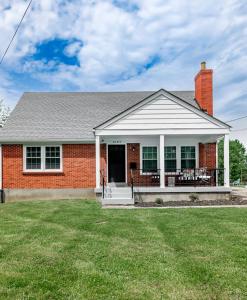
45,116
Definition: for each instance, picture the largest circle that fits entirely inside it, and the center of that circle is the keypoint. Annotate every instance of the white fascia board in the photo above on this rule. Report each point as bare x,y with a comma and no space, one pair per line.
217,131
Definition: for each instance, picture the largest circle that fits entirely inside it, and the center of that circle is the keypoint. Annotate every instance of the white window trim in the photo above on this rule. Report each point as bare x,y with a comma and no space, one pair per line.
42,169
196,154
149,173
178,155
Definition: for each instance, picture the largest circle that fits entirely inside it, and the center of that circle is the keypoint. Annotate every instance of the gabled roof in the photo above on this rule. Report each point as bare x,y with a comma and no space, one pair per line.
151,98
46,116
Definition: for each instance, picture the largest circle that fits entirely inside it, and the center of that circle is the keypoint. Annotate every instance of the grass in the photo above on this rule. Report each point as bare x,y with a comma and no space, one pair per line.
75,250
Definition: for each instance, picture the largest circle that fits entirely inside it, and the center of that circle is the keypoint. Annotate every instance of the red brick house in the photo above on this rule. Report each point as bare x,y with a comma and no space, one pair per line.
119,144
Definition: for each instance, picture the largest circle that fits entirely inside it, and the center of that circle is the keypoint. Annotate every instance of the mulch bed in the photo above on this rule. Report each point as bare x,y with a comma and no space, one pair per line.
193,203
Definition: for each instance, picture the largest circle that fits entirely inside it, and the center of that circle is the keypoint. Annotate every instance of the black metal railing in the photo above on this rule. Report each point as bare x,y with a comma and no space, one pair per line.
145,178
194,177
2,200
132,182
178,177
103,182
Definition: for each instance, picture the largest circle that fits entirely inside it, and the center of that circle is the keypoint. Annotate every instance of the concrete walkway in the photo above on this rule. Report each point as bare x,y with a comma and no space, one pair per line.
168,207
240,192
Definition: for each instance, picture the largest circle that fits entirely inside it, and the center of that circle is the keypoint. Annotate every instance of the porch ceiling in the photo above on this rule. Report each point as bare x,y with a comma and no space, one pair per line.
202,138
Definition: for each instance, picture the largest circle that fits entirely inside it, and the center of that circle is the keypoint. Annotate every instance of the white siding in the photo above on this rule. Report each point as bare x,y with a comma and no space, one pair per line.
162,113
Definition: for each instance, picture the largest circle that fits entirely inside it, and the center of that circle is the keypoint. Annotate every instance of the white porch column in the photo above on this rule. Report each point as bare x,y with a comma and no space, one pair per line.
162,161
226,161
97,151
217,163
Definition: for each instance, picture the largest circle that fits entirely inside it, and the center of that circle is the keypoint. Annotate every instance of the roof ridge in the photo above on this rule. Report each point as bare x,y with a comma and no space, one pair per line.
97,92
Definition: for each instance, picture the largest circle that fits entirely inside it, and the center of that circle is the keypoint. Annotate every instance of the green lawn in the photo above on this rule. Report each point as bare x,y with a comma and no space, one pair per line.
75,250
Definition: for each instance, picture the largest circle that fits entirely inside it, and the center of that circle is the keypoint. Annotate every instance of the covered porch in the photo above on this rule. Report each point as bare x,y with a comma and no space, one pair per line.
162,163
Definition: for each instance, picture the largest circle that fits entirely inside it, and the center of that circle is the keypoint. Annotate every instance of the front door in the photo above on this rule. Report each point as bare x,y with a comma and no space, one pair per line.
116,163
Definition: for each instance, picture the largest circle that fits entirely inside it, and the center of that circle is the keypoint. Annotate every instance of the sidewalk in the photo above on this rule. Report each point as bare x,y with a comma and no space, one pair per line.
169,207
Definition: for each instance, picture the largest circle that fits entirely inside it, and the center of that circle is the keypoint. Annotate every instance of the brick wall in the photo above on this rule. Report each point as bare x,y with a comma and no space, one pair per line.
207,155
204,90
103,162
133,156
78,169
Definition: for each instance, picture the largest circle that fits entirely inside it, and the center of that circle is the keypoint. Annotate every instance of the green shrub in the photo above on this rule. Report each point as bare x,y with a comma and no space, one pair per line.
159,201
194,197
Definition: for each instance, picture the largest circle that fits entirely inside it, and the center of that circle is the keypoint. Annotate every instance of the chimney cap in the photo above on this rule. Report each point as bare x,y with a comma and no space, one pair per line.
203,65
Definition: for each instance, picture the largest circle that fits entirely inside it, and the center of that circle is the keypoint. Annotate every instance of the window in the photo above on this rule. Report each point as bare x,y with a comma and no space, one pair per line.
33,158
43,158
52,158
170,159
188,157
149,159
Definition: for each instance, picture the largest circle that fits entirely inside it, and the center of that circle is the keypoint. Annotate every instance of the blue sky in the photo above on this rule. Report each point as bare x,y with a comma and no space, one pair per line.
109,45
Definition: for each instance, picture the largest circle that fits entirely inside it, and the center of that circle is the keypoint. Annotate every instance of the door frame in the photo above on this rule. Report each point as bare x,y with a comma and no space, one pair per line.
126,157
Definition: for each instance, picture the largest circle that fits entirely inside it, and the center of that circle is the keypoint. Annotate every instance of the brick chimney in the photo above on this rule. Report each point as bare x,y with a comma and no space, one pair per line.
204,88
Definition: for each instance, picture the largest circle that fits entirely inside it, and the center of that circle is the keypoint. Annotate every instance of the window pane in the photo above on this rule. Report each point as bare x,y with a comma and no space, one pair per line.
33,158
52,158
52,163
170,165
170,152
149,166
149,159
188,164
149,153
188,152
188,157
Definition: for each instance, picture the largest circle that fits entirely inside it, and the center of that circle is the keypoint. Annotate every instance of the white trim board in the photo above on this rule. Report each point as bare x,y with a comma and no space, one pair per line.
178,131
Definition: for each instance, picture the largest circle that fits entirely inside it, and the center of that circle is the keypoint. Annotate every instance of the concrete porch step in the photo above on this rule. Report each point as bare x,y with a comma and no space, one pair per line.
117,201
117,189
118,196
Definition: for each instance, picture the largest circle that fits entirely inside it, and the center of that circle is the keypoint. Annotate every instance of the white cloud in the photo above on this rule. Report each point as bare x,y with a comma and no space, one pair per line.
117,42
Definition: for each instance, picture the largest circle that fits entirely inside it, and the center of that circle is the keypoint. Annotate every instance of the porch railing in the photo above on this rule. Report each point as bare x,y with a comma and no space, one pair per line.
132,183
146,179
178,177
103,182
194,177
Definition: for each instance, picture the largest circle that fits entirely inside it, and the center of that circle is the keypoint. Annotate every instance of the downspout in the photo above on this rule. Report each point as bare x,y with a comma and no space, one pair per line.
1,176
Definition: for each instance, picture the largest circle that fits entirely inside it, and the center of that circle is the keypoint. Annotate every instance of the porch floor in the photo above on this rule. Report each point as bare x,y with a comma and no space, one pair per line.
179,189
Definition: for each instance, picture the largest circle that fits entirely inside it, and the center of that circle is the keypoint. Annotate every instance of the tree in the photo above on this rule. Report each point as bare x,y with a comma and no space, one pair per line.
4,113
238,160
